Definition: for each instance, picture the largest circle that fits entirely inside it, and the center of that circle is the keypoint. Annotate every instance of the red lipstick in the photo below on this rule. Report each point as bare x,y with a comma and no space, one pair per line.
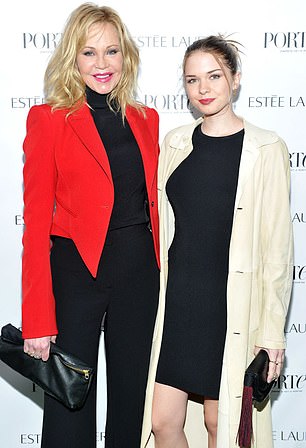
206,101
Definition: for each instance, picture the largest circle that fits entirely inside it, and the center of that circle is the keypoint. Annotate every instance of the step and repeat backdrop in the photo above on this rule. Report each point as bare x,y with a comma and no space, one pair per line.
272,95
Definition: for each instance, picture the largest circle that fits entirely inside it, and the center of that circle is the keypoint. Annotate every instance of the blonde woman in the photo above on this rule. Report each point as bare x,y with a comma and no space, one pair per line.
91,225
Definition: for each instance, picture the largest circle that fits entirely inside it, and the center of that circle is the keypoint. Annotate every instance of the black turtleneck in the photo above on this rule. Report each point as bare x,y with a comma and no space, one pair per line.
125,163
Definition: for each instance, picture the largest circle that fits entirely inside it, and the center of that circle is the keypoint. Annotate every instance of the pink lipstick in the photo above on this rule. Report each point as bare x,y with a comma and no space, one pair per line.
103,77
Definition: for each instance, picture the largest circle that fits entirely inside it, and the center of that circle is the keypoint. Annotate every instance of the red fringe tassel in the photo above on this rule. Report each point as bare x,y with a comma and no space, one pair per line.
245,431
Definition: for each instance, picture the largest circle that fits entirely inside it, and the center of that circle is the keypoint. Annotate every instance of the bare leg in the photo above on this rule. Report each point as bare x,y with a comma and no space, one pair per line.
211,420
169,414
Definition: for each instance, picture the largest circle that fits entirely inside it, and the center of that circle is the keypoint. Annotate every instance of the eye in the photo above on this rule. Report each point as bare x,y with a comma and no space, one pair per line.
112,51
215,76
190,80
88,53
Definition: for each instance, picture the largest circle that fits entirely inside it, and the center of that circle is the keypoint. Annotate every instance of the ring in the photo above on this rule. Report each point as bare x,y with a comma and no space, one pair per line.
274,362
37,356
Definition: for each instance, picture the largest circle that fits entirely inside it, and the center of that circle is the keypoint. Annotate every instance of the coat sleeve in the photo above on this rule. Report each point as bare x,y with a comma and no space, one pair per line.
39,174
277,246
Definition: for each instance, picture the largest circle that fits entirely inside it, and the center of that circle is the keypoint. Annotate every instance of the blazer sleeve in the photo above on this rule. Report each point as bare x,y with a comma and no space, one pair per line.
39,174
277,243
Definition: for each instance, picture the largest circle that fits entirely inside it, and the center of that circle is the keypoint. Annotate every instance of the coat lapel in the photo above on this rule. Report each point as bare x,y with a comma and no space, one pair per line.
249,156
182,143
83,125
181,146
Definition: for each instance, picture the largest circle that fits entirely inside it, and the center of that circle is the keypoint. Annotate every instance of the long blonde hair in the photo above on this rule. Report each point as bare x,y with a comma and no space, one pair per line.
63,85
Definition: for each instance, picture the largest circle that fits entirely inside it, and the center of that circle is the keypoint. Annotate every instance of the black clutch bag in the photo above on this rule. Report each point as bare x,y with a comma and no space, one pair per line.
63,376
256,388
256,377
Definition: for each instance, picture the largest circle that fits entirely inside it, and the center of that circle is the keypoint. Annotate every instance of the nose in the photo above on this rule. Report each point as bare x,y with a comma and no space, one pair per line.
203,87
101,62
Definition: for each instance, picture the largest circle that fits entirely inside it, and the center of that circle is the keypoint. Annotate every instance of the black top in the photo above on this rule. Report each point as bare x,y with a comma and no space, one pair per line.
202,193
125,162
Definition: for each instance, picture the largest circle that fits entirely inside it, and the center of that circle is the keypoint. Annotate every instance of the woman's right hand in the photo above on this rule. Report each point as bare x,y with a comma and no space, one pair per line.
39,348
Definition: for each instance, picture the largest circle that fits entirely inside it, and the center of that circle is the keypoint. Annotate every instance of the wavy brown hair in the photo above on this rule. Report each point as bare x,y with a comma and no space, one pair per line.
63,85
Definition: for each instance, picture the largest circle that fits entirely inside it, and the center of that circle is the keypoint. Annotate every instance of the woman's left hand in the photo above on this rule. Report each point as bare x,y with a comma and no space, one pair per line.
276,357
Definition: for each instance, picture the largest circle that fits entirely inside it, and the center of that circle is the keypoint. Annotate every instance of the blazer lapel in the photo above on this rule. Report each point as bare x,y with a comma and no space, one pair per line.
147,145
83,125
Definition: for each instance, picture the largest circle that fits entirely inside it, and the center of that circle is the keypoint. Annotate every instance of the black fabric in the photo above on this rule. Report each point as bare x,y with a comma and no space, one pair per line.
202,193
126,289
256,376
125,163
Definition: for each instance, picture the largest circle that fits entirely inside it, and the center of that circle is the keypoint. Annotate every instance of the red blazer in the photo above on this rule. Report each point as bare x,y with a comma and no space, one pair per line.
68,191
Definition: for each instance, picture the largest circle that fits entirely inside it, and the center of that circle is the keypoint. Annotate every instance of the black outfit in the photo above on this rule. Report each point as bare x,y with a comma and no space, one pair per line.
202,193
125,291
125,162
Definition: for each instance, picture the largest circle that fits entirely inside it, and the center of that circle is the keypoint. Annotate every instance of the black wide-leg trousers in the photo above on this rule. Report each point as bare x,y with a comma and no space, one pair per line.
126,292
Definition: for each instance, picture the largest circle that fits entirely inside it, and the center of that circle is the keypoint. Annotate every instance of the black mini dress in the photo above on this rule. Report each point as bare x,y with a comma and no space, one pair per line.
202,193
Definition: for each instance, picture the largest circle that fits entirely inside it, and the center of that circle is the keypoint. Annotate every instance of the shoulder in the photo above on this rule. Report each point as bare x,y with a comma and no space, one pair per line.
43,112
271,146
144,119
39,110
150,112
262,137
181,136
143,113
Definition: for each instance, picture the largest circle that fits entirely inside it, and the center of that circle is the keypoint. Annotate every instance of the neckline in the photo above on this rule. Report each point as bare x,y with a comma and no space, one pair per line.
96,100
241,131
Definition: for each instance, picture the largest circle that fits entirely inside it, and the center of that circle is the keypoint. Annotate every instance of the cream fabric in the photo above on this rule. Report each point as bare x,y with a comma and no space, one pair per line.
259,280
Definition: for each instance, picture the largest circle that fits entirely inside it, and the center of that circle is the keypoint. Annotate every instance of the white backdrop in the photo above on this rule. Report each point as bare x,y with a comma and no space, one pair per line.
272,95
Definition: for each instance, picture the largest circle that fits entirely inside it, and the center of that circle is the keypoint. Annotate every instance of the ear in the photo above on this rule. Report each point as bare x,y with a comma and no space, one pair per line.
236,81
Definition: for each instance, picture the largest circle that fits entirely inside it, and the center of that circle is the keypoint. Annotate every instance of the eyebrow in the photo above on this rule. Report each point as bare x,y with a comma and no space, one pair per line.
108,46
208,73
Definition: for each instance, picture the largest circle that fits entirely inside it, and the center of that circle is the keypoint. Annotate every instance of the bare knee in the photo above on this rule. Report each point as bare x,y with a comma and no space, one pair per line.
211,417
169,411
165,424
211,424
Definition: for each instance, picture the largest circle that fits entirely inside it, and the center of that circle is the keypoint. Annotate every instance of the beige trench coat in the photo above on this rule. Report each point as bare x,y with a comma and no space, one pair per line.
259,279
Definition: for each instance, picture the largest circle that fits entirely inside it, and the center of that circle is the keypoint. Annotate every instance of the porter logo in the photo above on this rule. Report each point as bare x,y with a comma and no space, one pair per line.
289,40
40,41
167,102
290,383
297,161
299,274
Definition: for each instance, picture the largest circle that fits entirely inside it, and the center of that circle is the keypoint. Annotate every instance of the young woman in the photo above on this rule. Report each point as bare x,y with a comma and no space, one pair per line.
91,203
226,257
